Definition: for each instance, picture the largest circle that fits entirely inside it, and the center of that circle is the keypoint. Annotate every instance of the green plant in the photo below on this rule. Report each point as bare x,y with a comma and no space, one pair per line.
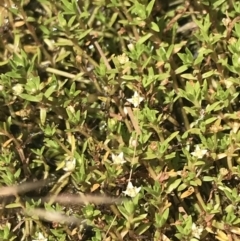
120,117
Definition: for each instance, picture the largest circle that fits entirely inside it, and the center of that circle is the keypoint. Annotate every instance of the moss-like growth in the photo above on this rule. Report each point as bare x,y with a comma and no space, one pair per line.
119,120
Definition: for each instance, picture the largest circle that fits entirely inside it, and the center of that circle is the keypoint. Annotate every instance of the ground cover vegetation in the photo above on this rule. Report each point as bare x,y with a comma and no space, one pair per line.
119,120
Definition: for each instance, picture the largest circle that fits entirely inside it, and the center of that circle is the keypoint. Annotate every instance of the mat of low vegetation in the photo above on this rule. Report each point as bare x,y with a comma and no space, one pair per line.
119,120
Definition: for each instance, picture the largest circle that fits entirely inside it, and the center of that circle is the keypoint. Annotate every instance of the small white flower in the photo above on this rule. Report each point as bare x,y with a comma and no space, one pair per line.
132,191
40,238
123,58
226,21
199,153
118,160
130,46
136,99
106,89
196,231
133,142
17,89
70,165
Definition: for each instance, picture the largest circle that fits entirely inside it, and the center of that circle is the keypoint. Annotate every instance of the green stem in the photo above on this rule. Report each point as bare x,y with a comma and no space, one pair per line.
150,170
175,86
200,199
66,74
63,146
62,182
31,29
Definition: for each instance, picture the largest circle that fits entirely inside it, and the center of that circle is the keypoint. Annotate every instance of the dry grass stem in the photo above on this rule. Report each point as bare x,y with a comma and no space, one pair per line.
52,216
71,199
22,188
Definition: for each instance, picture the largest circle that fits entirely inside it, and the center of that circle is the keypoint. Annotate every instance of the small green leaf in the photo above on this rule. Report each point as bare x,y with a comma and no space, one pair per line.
36,98
128,77
2,63
49,91
163,76
139,218
13,205
173,184
84,34
210,120
149,155
171,137
208,74
62,20
181,69
150,7
62,56
190,110
182,187
213,107
218,3
155,27
188,76
68,5
124,212
143,228
144,38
